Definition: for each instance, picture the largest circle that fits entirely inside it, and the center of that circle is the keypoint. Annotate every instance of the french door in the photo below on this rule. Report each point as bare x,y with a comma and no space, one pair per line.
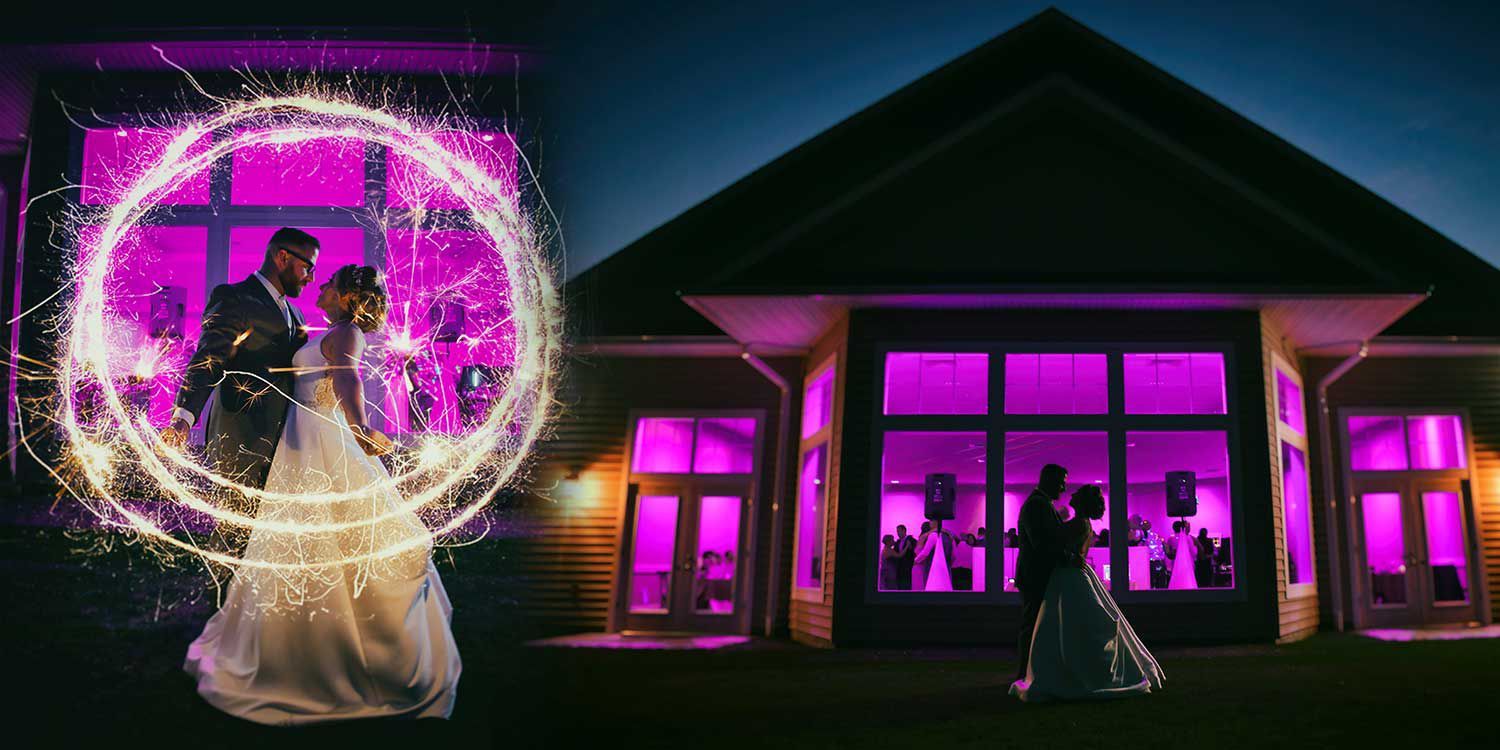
684,561
1414,554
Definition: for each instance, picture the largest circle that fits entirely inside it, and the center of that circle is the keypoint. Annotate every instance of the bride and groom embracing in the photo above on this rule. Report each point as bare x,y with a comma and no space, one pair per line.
1074,642
335,611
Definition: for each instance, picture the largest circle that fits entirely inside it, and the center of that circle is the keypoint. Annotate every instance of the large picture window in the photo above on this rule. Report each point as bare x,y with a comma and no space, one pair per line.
1153,430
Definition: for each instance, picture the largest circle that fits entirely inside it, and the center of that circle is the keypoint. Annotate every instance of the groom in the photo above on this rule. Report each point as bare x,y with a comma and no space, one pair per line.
1041,550
250,332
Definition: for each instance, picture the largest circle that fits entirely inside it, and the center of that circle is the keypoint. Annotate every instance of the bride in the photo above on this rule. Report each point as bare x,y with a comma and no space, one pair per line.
1082,646
354,622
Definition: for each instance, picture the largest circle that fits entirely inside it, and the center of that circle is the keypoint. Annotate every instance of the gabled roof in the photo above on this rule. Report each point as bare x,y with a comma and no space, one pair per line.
1049,156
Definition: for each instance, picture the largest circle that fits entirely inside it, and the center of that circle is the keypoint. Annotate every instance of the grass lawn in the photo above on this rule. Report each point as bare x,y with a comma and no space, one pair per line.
94,646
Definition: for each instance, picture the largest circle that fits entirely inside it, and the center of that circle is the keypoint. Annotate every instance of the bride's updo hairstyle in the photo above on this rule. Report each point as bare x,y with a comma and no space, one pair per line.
1088,501
362,292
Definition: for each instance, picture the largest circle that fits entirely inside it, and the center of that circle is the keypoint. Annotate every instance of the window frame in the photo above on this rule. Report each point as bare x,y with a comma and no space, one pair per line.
1287,434
824,438
996,424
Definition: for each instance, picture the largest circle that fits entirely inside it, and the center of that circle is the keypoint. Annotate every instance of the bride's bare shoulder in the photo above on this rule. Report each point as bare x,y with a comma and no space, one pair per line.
344,340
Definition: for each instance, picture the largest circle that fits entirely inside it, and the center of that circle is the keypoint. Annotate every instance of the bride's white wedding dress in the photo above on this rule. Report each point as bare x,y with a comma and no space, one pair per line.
1083,648
349,633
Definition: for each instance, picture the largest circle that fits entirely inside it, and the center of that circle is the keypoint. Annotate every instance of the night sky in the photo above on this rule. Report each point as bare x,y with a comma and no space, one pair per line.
652,112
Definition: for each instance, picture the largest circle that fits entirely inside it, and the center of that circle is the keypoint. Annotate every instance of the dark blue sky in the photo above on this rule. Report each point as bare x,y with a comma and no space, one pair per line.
653,111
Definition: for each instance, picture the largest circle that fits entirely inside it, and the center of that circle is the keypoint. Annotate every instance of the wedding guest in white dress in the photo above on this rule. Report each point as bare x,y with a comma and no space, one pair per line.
1083,647
1184,574
356,623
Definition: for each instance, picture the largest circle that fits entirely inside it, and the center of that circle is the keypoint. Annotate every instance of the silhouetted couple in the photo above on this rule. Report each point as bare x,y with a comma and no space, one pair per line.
1074,642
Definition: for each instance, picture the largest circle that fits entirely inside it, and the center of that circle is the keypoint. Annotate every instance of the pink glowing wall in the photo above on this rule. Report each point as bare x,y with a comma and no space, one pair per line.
409,184
724,446
653,552
318,172
663,445
1056,384
936,383
812,509
1436,442
1174,383
115,157
1289,403
1385,545
1376,444
339,246
1150,455
817,404
1294,501
1442,513
907,458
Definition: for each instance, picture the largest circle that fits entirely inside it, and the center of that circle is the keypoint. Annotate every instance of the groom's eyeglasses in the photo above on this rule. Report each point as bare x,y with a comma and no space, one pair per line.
298,256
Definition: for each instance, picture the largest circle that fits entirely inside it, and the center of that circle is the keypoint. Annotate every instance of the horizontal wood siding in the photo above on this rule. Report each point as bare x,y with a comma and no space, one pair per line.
1472,383
1297,618
574,528
812,622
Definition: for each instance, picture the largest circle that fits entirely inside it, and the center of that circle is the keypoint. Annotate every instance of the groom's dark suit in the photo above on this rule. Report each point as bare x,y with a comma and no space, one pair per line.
1041,550
244,331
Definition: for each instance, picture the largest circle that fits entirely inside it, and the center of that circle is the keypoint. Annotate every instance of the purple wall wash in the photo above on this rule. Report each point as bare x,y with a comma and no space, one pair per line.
115,157
1377,444
724,446
1385,546
718,553
1056,384
1381,443
318,172
1447,559
340,246
1148,458
812,509
936,383
1436,442
1294,503
409,184
1086,457
1174,383
907,458
1289,403
653,550
681,445
663,445
817,404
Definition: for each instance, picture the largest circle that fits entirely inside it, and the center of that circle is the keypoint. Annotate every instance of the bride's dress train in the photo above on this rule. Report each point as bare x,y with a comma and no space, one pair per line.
1083,647
351,633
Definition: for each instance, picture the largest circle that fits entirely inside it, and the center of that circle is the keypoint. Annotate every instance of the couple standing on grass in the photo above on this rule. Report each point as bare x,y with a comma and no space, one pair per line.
1074,642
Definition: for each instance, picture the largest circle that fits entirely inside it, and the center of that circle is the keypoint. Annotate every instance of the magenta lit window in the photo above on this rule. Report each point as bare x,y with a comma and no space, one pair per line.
1289,403
1442,514
1295,514
718,554
1174,383
338,246
1180,532
812,512
1436,441
1377,444
817,404
1385,547
1056,384
663,445
652,553
114,158
944,556
725,446
936,383
1086,457
319,172
409,184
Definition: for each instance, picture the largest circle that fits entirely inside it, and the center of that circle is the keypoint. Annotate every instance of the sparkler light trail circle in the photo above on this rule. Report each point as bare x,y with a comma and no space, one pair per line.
116,442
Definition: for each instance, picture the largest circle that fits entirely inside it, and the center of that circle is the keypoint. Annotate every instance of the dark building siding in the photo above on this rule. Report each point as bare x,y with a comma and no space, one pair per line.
571,561
1471,383
856,622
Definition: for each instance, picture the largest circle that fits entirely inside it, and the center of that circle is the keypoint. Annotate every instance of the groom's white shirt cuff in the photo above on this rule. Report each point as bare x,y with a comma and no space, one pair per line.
184,415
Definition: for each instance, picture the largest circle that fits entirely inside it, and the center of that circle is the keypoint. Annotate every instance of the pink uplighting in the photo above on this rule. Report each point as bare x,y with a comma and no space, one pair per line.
1180,559
944,559
1436,442
1385,547
1442,513
1376,444
812,509
318,172
1294,504
1289,403
114,157
651,559
1056,384
409,184
817,404
1174,383
936,383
